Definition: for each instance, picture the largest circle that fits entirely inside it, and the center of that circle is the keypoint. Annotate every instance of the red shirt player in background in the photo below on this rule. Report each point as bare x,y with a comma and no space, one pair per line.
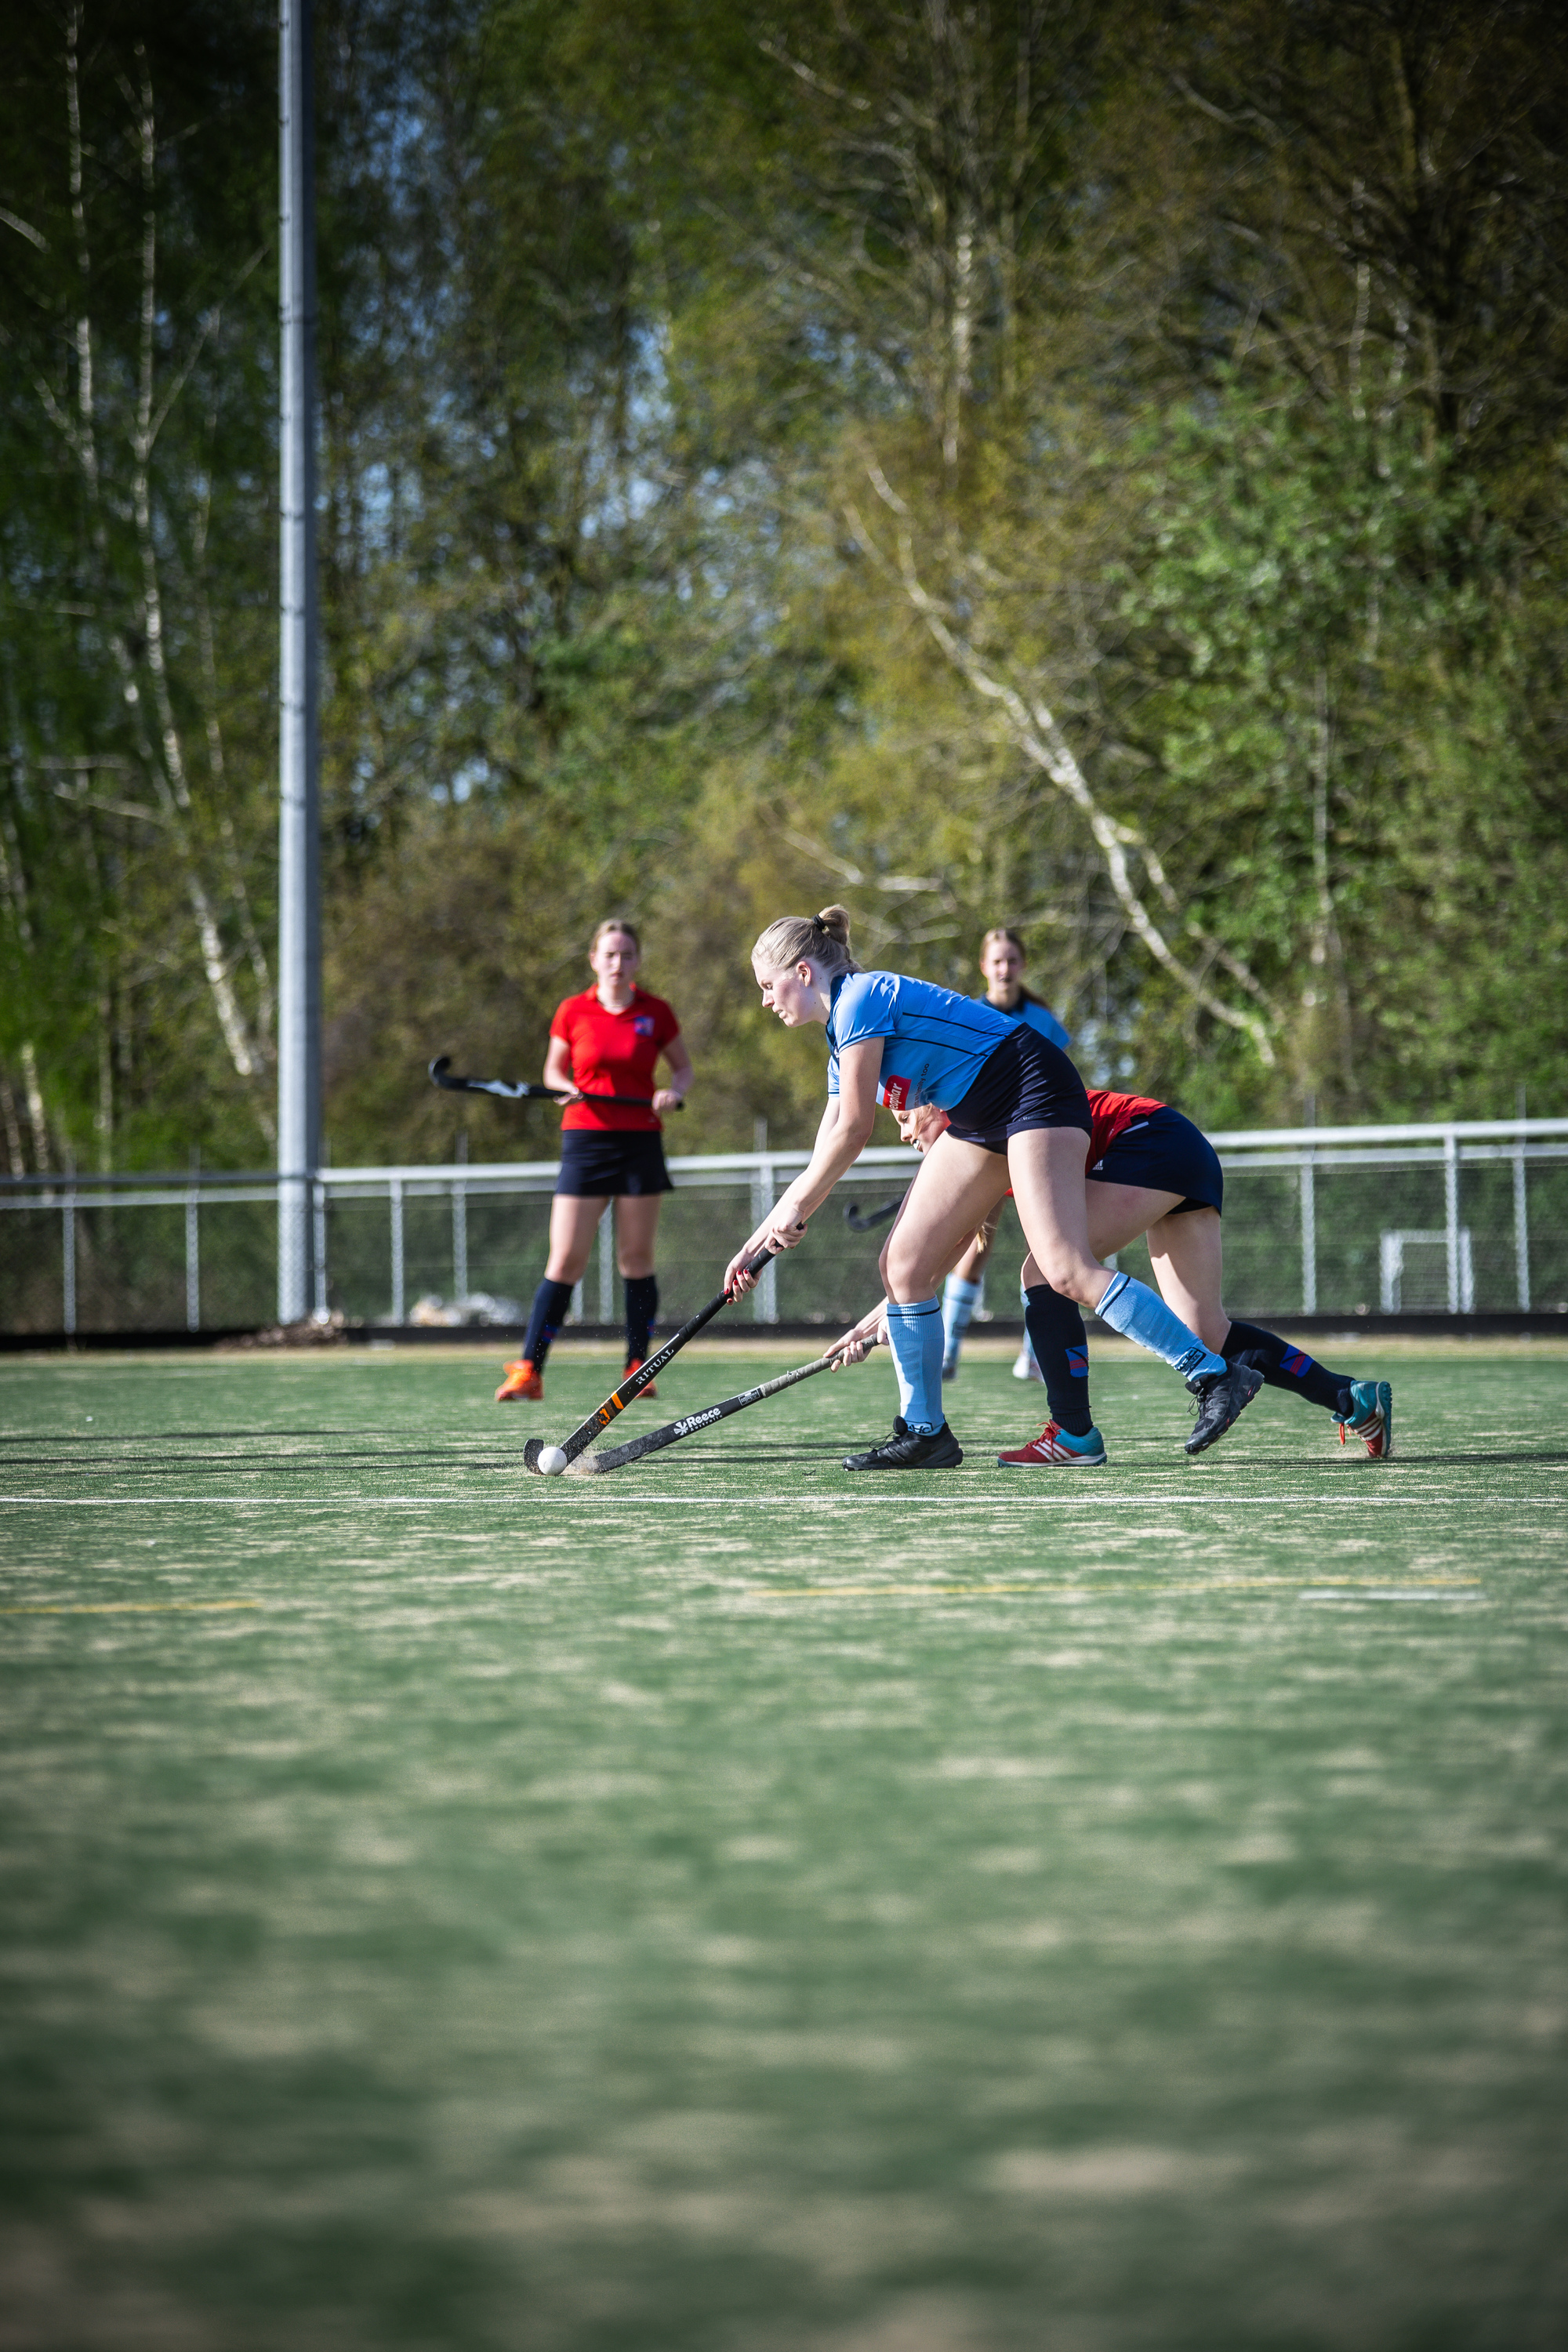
605,1042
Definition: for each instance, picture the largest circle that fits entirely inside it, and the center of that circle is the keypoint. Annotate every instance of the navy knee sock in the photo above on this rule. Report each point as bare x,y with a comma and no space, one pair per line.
642,1307
1285,1367
1060,1343
551,1304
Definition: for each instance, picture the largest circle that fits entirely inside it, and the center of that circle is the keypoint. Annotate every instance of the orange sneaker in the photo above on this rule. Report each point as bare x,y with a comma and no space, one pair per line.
651,1391
522,1381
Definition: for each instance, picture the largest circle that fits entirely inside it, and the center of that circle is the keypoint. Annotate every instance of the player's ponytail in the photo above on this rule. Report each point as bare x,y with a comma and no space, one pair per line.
821,940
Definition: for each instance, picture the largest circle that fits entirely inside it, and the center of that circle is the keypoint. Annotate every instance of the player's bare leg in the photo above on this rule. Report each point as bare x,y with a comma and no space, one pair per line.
1187,1253
637,1232
1045,1167
574,1222
956,1188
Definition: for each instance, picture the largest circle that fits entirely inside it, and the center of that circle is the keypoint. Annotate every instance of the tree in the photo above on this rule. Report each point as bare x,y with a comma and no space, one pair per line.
134,423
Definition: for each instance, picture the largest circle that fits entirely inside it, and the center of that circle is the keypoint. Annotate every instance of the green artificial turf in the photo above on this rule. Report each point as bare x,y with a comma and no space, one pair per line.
733,1907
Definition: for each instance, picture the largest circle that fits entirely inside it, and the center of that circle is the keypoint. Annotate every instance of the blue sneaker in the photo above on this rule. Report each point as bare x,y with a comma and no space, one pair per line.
1371,1417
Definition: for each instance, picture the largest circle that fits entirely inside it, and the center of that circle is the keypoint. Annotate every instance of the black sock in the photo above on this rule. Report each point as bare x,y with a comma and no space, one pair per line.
1285,1367
552,1303
642,1307
1060,1343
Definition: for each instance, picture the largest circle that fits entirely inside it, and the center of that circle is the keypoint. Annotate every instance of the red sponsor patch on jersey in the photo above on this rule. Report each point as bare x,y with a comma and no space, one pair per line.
895,1093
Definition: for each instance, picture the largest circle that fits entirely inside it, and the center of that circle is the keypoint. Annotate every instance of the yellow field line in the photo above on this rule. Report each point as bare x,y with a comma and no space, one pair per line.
1211,1584
113,1608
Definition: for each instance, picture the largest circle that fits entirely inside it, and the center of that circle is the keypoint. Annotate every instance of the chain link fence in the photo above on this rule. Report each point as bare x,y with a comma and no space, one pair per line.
1346,1221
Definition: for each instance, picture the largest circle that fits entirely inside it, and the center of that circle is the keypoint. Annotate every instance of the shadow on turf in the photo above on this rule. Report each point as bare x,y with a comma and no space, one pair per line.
133,1437
137,1459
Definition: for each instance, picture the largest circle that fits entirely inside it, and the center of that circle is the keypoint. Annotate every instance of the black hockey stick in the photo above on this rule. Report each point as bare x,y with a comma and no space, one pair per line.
592,1466
866,1221
524,1092
633,1384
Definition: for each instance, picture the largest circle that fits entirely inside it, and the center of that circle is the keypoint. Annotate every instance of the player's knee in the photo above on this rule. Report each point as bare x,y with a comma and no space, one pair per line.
1074,1277
905,1275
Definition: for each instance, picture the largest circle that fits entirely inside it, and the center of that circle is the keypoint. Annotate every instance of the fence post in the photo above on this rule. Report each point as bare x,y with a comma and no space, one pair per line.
460,1222
67,1264
765,1297
1308,1236
608,1264
397,1262
193,1260
1451,1217
319,1248
1521,1231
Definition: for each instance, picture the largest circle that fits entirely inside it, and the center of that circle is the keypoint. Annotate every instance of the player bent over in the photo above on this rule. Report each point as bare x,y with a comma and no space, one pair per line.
1017,1115
1153,1174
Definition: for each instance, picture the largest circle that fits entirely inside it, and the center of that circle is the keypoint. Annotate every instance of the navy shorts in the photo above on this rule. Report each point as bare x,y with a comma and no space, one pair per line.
1027,1083
606,1165
1165,1153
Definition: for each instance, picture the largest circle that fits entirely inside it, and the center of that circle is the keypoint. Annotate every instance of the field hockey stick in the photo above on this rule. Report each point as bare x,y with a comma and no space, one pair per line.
593,1465
524,1091
630,1387
866,1221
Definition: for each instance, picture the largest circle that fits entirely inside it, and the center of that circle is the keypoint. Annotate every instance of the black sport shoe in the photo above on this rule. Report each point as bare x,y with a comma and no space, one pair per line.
1222,1399
905,1451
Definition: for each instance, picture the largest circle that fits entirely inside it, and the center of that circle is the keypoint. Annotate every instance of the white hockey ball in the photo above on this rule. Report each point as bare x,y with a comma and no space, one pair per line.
552,1460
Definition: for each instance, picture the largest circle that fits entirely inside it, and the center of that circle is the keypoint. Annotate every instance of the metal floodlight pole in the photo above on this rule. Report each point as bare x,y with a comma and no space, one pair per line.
299,827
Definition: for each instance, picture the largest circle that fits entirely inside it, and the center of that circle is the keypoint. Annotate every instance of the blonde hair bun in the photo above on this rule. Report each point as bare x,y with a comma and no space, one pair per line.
820,940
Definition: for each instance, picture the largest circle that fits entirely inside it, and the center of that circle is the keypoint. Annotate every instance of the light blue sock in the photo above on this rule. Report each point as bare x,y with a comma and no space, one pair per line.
915,1338
960,1301
1132,1308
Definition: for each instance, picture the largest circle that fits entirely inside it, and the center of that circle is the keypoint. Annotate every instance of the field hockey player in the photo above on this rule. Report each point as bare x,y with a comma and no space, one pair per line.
1002,960
1154,1176
605,1042
1017,1114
